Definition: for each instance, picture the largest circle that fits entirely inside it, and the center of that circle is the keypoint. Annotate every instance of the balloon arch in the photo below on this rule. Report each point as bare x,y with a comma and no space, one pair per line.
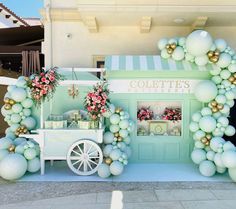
211,152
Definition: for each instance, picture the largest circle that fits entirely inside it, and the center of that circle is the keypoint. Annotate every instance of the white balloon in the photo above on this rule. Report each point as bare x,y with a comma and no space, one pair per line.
198,43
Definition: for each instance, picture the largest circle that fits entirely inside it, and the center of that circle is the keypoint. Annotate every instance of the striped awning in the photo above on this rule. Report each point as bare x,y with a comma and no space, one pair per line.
151,63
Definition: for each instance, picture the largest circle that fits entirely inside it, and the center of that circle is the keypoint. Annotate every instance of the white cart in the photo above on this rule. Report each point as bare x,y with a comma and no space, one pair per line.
78,147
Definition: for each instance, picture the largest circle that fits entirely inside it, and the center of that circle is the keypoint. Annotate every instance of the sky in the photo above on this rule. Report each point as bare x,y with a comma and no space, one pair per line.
24,8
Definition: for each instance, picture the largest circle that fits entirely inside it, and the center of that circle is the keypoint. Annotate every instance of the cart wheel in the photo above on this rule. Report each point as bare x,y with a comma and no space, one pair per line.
84,157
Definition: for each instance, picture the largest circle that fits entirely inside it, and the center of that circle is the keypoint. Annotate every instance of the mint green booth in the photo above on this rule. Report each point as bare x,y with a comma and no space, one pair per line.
156,84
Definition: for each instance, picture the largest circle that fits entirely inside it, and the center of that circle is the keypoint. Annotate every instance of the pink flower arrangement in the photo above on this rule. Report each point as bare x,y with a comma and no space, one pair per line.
96,101
173,114
145,114
43,85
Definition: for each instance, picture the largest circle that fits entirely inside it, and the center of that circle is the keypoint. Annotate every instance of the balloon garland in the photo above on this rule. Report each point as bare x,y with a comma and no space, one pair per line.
116,140
18,155
211,152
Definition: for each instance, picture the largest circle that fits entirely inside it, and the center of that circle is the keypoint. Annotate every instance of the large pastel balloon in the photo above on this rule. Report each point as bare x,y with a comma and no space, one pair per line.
123,133
115,119
218,160
206,111
18,94
198,42
114,128
15,118
19,140
201,60
216,142
116,168
115,154
224,60
205,91
30,153
33,165
207,168
207,124
5,143
17,108
229,131
229,159
29,122
124,124
26,112
27,103
13,166
196,116
3,153
162,43
193,126
220,44
198,155
178,53
107,150
108,137
229,146
232,173
104,170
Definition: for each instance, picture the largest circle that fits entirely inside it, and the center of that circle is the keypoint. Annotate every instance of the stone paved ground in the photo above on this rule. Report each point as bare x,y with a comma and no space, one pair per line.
107,195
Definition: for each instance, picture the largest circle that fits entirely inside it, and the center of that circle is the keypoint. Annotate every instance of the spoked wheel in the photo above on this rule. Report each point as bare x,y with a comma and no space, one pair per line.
84,157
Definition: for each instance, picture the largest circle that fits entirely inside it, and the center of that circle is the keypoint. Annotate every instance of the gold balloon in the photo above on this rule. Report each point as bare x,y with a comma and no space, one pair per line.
12,102
168,46
231,79
234,75
210,54
208,136
217,53
173,45
220,106
7,106
215,109
207,143
234,82
214,59
119,139
170,51
12,148
25,131
204,140
7,100
108,161
213,103
116,134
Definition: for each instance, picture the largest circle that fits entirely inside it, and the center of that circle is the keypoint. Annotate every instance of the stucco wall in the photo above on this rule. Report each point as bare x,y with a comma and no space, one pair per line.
78,50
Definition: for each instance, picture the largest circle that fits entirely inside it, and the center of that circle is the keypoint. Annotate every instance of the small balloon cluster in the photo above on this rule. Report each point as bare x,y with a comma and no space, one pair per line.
198,48
17,157
116,149
211,152
20,121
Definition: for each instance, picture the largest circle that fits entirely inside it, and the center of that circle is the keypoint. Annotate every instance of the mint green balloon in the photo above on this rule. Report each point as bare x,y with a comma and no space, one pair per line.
33,165
19,140
116,168
216,79
115,154
18,94
108,137
3,153
17,108
207,168
5,143
29,122
207,124
193,126
232,68
14,127
224,60
225,74
123,133
30,153
205,91
230,130
27,103
196,116
229,159
15,118
232,173
115,119
104,170
124,124
199,134
198,155
178,53
107,150
162,43
13,166
114,128
20,149
206,111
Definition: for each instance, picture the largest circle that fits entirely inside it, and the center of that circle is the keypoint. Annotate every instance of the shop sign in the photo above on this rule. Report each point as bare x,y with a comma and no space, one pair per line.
152,85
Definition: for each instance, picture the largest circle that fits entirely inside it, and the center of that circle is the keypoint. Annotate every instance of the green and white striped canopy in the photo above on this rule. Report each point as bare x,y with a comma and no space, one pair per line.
151,63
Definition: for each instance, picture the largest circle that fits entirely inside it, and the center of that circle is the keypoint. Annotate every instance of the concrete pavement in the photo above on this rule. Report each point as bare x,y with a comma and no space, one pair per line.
106,195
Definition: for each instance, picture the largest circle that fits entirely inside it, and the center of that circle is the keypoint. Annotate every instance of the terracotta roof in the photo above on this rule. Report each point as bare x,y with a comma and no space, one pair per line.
11,13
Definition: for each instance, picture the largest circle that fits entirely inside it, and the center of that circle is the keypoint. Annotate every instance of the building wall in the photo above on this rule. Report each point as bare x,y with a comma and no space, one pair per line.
78,51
